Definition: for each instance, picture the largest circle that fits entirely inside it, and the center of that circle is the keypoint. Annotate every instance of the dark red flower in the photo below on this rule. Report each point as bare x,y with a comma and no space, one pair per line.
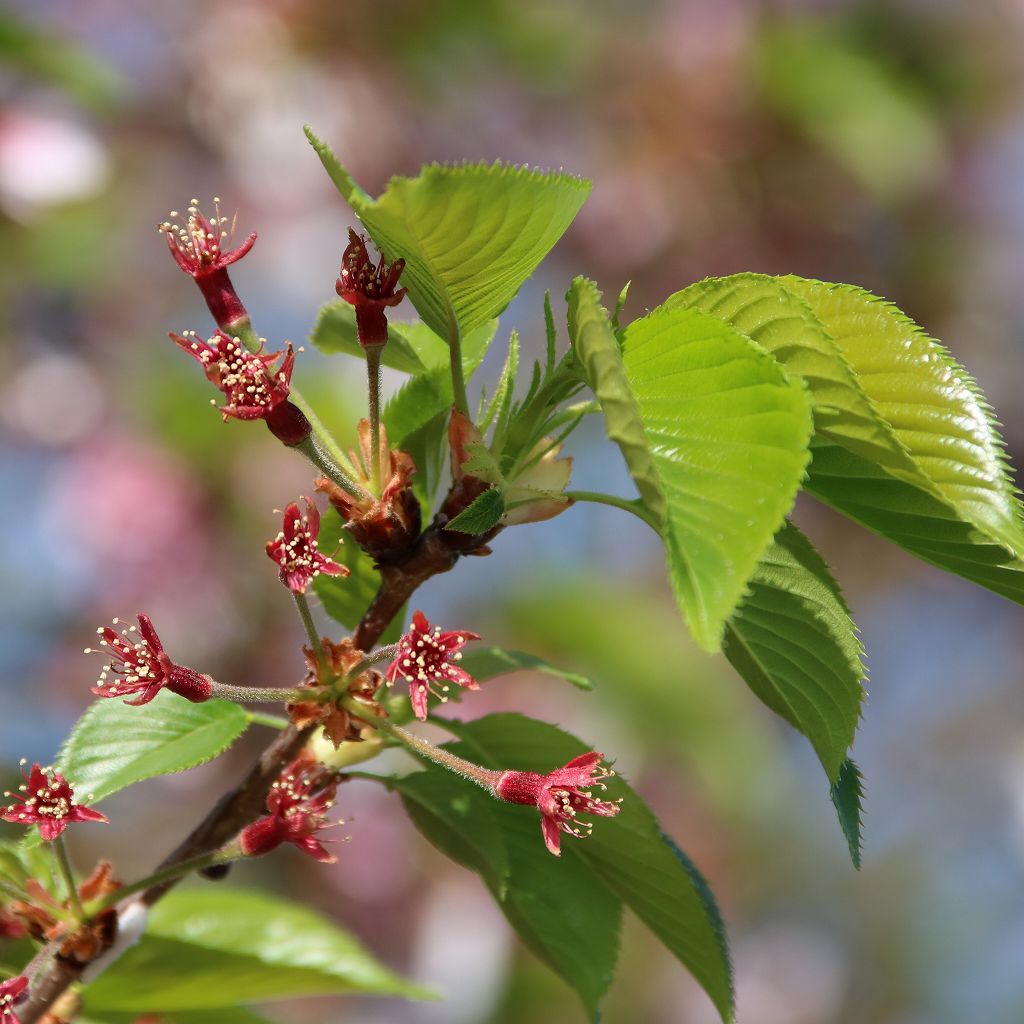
295,549
370,289
202,249
48,802
561,796
424,660
139,665
12,993
253,391
298,804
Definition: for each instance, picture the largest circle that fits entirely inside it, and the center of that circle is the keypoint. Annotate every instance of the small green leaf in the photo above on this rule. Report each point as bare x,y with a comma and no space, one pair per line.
482,514
629,852
205,949
335,331
794,643
561,910
113,746
847,792
346,598
714,434
411,347
484,663
470,235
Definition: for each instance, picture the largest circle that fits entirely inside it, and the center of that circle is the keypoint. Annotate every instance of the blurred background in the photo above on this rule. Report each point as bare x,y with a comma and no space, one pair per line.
880,143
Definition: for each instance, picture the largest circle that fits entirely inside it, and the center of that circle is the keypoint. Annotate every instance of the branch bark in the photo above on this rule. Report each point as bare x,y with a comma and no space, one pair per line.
435,552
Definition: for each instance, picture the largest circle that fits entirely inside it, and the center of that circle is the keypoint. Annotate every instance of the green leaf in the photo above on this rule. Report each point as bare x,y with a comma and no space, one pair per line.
335,331
794,643
847,792
411,347
470,235
208,948
714,434
562,911
346,598
482,514
113,746
484,663
20,861
958,508
630,853
767,312
599,353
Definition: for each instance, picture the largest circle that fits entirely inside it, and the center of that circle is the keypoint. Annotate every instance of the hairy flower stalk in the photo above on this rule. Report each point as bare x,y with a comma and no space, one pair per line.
560,796
426,660
371,290
139,665
48,802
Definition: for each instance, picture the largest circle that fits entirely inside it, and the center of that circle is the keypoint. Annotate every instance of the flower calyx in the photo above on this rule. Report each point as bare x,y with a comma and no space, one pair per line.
331,680
385,527
370,289
297,803
426,659
48,801
46,918
296,552
140,666
561,796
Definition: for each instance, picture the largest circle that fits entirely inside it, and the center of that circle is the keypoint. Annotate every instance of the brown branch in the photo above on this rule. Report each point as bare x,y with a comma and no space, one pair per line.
436,552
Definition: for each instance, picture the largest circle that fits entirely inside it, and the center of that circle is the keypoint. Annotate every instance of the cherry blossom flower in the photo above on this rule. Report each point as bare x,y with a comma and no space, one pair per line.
12,993
561,796
298,803
370,289
425,660
253,391
202,248
296,552
48,802
140,666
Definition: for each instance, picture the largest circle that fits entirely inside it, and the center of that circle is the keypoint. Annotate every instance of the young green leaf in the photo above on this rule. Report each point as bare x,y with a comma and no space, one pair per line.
470,235
411,347
714,434
847,792
629,852
483,513
113,746
561,910
792,640
205,949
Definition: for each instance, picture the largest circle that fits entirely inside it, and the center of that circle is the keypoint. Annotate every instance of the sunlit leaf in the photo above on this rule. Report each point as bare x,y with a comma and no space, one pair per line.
470,235
206,948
